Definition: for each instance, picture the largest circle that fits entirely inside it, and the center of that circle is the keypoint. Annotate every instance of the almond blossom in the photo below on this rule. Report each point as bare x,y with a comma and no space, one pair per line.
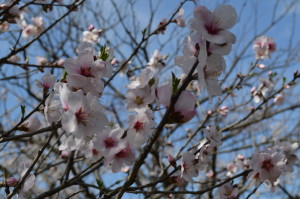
213,25
30,125
183,112
189,166
140,127
119,157
107,140
46,83
267,165
84,116
138,99
263,47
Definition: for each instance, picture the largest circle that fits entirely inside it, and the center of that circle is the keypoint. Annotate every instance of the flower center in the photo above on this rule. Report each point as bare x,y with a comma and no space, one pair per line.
109,142
139,100
82,117
267,164
138,126
86,71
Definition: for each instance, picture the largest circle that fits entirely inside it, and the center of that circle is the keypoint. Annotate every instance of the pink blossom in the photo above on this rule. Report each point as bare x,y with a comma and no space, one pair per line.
140,127
137,100
213,25
11,181
107,140
46,83
120,157
183,111
189,167
267,165
84,116
279,99
30,125
263,47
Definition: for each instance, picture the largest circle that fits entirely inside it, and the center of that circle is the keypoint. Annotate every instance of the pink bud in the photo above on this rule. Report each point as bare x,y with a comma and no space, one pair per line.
11,182
279,99
261,66
64,155
172,161
91,27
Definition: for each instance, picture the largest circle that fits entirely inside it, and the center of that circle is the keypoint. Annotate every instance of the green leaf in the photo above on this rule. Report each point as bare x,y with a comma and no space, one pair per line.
103,53
144,31
175,83
23,110
283,79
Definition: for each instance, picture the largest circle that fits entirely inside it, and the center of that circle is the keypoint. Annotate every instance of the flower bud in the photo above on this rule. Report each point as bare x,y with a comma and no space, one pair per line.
11,182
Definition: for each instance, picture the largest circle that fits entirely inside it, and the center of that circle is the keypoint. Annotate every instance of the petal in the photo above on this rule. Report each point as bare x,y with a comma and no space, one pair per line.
226,15
185,102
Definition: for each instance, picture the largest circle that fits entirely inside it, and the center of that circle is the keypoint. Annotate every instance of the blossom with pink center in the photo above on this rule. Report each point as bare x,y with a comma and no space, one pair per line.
84,73
107,140
227,191
263,47
137,100
46,83
183,111
30,125
267,165
189,166
84,116
213,25
120,156
208,75
140,127
180,19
